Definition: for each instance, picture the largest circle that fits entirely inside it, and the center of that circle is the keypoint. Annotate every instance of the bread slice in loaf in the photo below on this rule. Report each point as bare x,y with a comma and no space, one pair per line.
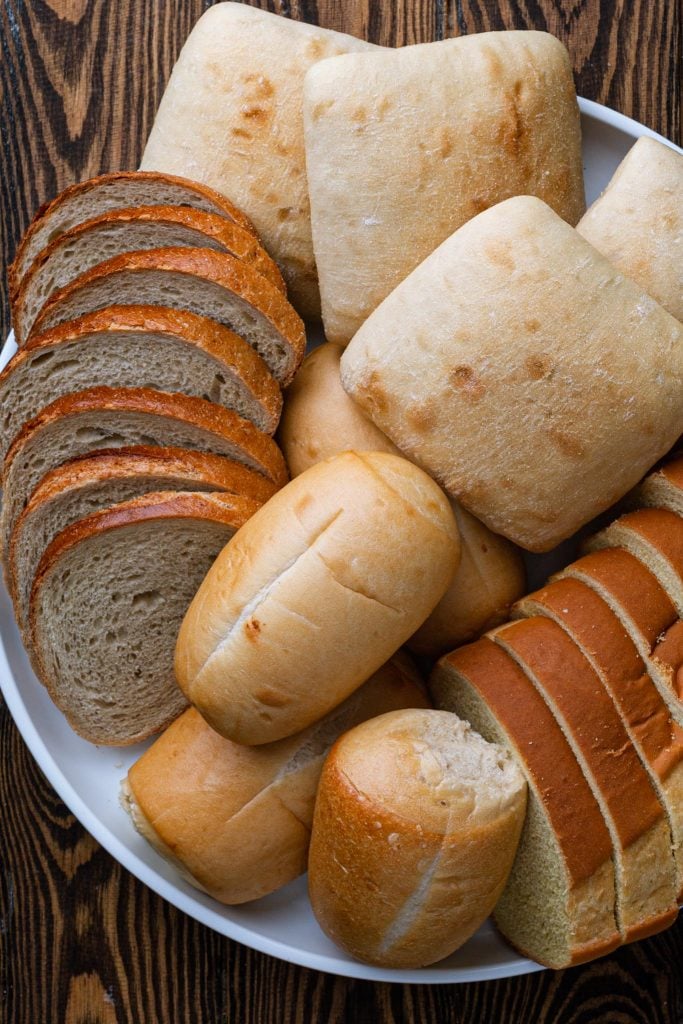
212,284
82,486
645,868
119,231
655,537
646,612
558,904
107,600
133,347
602,639
121,189
100,418
661,489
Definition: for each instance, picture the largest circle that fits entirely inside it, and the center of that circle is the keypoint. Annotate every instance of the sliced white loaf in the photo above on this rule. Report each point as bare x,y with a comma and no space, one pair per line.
107,600
661,489
138,347
120,231
211,284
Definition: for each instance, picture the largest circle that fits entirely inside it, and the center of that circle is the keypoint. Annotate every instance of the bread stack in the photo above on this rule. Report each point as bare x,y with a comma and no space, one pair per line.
154,339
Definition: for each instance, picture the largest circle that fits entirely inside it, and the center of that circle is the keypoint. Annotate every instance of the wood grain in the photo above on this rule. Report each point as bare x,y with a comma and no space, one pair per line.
81,941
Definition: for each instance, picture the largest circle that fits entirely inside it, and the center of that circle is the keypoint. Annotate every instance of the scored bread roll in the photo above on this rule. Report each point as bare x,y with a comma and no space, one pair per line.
335,573
525,424
416,826
236,820
637,222
320,420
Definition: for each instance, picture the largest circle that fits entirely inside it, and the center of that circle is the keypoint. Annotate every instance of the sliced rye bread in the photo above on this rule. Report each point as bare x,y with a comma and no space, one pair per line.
115,191
558,906
603,640
655,537
85,485
646,612
100,418
212,284
120,231
645,868
661,489
107,602
138,347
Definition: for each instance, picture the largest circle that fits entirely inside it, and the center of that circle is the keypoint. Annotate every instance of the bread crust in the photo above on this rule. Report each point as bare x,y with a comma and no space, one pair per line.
17,268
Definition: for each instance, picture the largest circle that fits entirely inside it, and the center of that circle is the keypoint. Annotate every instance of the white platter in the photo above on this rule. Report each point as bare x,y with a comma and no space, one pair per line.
87,778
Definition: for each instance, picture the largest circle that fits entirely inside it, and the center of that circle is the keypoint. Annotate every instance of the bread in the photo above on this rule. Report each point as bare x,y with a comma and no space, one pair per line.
637,221
655,537
74,490
118,190
489,116
320,420
517,366
120,231
106,603
333,575
211,284
232,117
89,421
645,869
558,904
138,346
236,820
488,579
602,639
416,826
646,612
661,489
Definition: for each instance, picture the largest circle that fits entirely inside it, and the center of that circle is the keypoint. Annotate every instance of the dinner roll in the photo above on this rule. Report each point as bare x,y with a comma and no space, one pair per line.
235,821
326,581
415,830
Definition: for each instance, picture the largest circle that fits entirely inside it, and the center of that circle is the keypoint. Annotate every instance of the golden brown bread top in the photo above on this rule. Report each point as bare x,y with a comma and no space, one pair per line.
197,411
539,744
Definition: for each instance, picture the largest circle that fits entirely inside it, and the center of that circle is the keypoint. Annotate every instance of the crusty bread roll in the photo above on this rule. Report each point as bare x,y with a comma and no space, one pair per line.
335,573
232,117
416,826
236,820
516,365
403,146
637,222
320,420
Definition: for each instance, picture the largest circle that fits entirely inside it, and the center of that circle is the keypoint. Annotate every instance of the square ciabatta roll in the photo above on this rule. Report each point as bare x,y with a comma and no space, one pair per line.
523,372
404,146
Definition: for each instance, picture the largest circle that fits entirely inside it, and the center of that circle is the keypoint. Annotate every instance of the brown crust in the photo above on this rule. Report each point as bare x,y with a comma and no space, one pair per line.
566,676
668,656
633,587
230,510
230,211
197,411
541,746
218,267
597,630
216,340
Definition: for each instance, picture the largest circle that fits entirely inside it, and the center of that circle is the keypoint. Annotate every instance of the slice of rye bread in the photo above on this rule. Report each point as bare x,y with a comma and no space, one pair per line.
107,602
645,868
655,537
85,485
212,284
661,489
100,418
138,347
646,612
601,637
558,906
120,231
121,189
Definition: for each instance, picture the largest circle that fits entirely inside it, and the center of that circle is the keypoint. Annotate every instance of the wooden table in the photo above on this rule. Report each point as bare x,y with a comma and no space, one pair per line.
81,941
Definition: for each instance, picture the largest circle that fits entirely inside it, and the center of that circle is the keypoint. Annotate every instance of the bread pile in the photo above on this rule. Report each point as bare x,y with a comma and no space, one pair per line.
513,367
154,340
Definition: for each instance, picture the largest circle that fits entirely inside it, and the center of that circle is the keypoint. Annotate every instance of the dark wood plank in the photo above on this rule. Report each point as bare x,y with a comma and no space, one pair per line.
81,941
